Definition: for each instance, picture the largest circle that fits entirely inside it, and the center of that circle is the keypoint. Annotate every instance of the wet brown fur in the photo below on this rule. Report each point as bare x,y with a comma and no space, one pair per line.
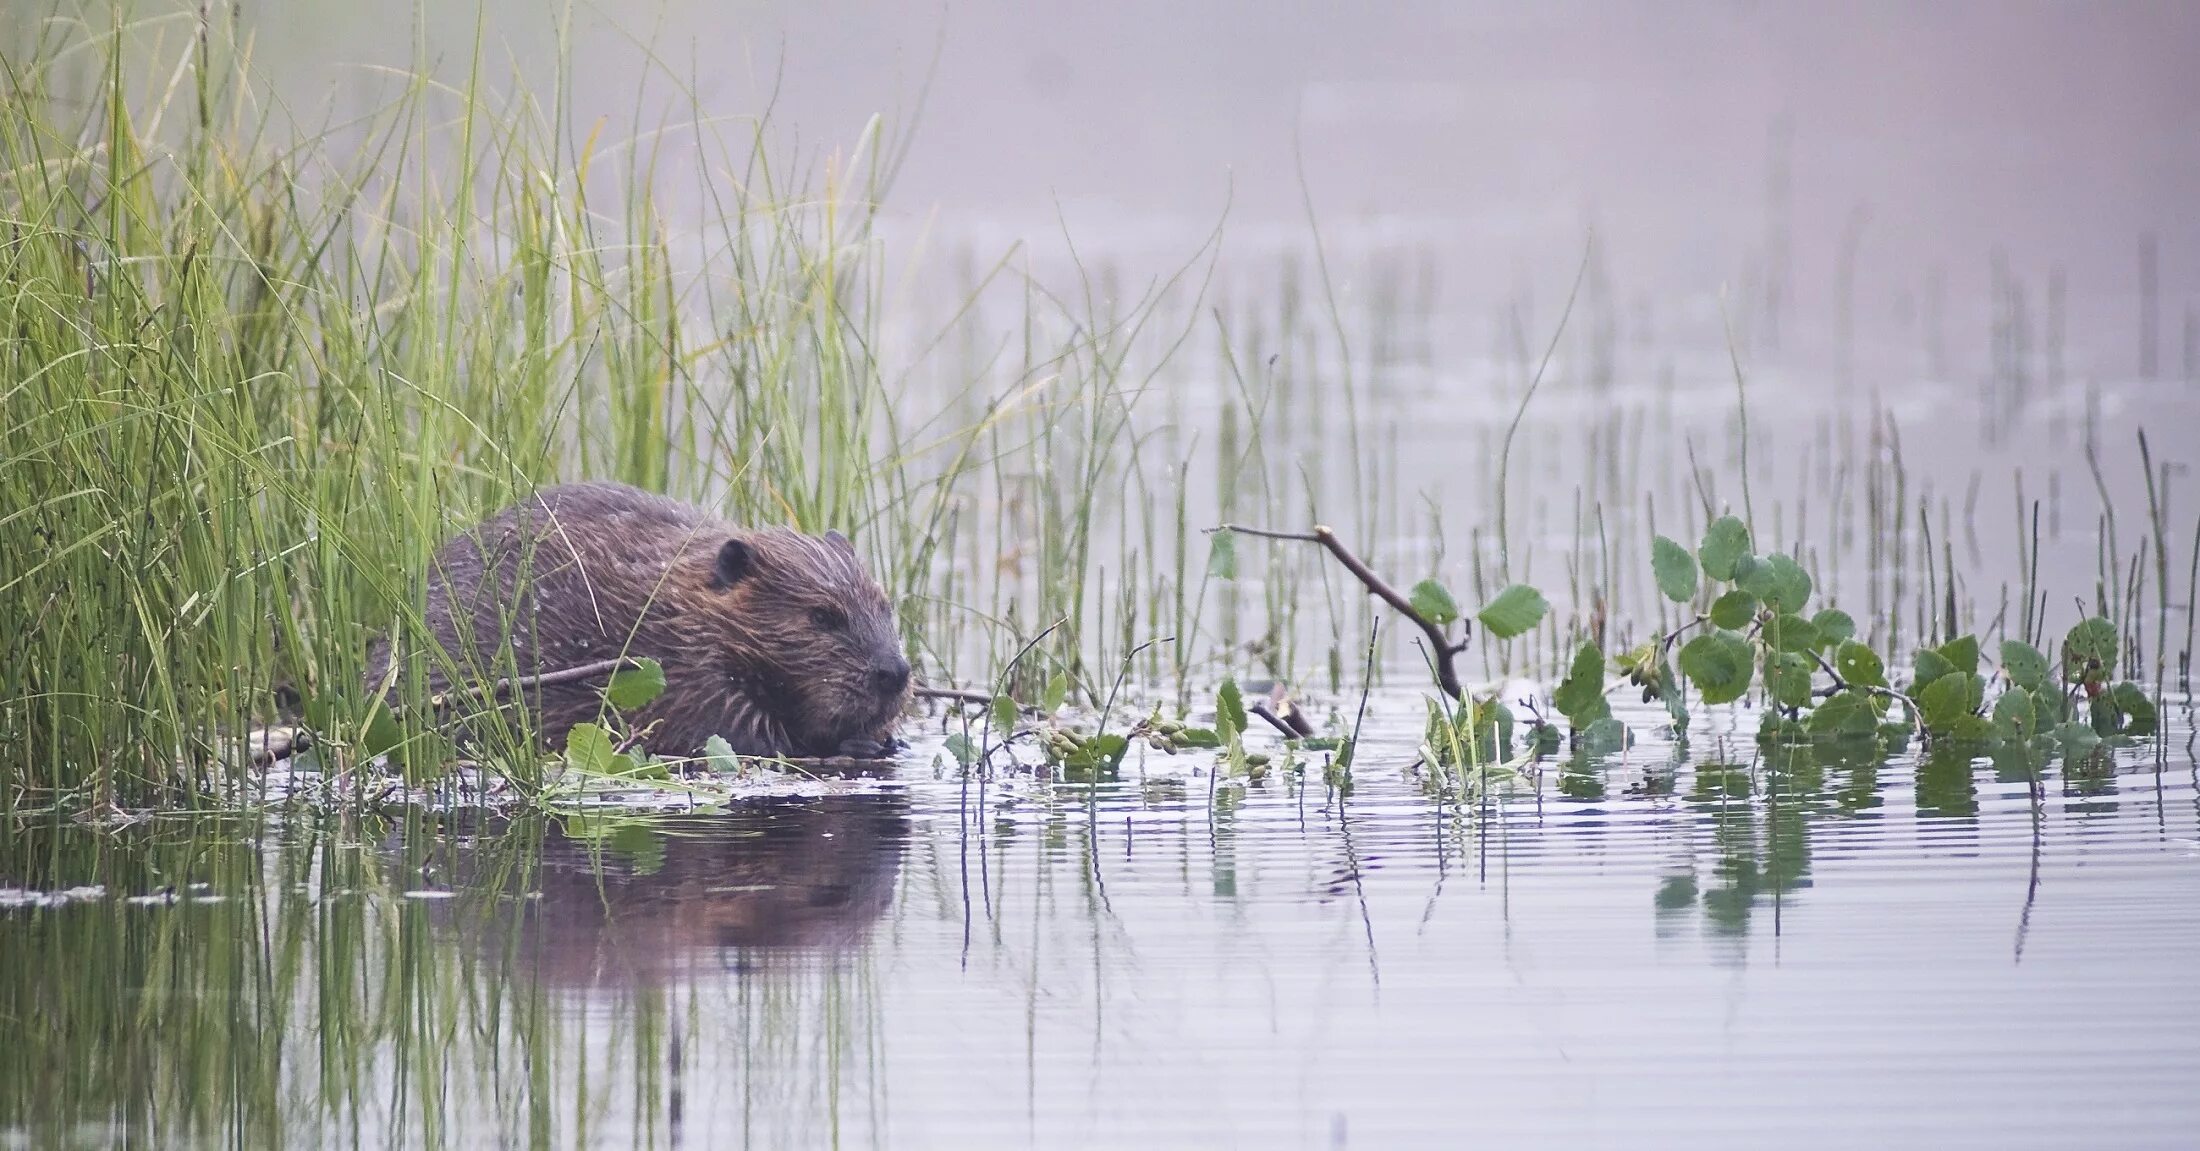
782,644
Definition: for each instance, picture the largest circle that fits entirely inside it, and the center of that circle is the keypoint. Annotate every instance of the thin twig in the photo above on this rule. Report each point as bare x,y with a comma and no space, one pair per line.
1446,651
444,699
956,694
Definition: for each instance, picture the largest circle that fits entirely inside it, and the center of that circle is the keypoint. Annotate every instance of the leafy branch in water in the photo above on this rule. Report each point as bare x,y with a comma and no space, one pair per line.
1429,606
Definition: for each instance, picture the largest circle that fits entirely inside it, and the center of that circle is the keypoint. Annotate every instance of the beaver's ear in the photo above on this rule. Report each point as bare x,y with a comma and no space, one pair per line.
840,541
735,561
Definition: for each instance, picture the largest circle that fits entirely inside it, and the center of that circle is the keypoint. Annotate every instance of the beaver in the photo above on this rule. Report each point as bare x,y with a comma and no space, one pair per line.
774,640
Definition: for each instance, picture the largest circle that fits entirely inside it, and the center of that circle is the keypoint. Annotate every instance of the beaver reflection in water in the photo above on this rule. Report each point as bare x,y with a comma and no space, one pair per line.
766,882
774,640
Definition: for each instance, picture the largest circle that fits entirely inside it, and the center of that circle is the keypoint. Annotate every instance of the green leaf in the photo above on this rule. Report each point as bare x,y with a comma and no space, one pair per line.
1971,729
383,733
1734,610
588,749
2013,717
1791,633
1719,664
1196,737
1057,691
1845,713
718,754
1961,654
2140,716
1675,569
1931,666
1004,713
1229,710
1669,694
2089,652
1946,700
1779,581
1100,755
633,688
1789,588
960,746
1580,698
1787,677
1726,541
1859,666
1433,600
2026,667
1605,735
1222,555
2078,739
1834,627
1515,611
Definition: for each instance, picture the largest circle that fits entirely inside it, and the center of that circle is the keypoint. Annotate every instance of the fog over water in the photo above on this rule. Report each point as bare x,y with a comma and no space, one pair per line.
1491,137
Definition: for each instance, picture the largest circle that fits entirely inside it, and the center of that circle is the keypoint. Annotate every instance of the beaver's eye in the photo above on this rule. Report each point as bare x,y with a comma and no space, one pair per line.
828,618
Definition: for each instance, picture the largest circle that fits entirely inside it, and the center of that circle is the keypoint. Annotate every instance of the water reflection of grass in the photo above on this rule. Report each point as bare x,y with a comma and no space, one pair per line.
256,986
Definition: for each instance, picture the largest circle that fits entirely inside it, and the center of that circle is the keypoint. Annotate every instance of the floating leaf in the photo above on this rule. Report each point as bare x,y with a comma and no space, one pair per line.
1196,737
1947,699
1604,736
1726,541
2139,714
1222,555
2078,739
1834,627
2024,664
1845,713
1859,666
2089,652
960,746
1433,600
1969,728
633,688
588,749
1675,569
1098,756
1734,610
1515,611
1787,677
1719,664
720,756
1229,710
1791,633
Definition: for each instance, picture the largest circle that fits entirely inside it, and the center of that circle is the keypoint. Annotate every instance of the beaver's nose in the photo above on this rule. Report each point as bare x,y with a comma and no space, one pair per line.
889,676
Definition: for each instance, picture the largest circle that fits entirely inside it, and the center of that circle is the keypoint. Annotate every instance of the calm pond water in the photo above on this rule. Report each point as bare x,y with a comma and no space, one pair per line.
1645,951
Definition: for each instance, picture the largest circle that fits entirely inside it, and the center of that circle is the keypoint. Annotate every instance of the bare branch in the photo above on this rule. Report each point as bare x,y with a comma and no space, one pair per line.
954,694
502,687
1447,676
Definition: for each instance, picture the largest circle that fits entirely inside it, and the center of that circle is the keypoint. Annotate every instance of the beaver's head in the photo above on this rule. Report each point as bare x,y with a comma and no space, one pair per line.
811,635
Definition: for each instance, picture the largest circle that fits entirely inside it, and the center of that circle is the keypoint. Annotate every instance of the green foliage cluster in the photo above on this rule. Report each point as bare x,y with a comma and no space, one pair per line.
1754,627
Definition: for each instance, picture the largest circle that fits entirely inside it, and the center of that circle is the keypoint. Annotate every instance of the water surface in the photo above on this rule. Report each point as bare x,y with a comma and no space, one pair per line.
1726,949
